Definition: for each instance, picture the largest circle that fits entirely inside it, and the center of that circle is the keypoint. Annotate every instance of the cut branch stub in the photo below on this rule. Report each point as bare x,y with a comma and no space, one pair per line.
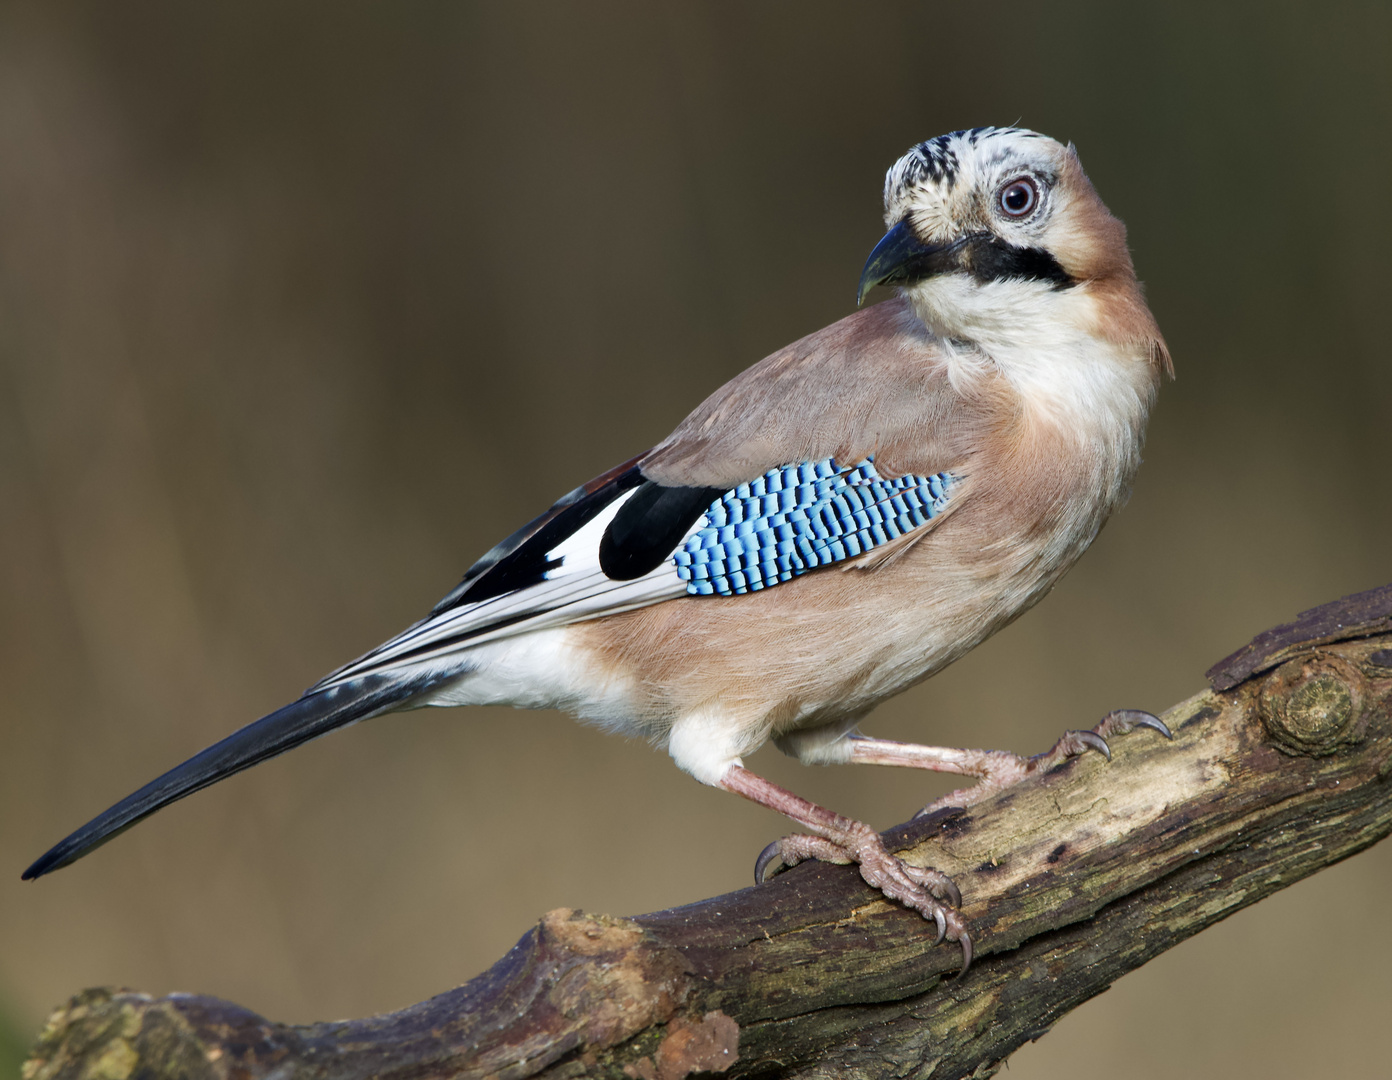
1071,879
1314,705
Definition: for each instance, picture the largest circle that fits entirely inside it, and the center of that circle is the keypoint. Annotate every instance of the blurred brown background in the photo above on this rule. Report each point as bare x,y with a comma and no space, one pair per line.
303,306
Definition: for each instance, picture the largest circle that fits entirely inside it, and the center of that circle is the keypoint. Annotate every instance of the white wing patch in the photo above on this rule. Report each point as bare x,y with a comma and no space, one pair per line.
575,590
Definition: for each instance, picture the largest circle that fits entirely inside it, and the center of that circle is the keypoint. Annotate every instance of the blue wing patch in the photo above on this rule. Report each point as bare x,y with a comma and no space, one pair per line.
799,517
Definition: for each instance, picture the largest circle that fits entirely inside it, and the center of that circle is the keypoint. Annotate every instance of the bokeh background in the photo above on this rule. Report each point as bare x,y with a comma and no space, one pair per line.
303,306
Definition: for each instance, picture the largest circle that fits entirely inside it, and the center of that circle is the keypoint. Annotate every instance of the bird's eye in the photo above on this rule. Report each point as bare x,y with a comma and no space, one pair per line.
1019,197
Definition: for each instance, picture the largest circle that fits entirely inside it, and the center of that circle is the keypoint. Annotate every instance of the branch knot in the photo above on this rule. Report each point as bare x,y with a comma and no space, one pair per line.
1313,706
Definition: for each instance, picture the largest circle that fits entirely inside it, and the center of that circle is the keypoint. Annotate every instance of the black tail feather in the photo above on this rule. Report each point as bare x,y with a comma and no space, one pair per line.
313,715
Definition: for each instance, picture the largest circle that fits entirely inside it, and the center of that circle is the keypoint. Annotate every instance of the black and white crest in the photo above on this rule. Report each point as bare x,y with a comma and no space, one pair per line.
939,161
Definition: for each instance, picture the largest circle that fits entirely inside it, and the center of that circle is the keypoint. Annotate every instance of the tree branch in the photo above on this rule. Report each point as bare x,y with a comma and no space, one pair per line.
1070,879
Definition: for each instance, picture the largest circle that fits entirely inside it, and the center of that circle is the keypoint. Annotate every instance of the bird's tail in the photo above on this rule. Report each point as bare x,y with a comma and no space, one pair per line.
313,715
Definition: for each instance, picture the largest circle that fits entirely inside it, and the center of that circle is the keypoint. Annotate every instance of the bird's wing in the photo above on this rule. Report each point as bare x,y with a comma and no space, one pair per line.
626,542
552,571
843,448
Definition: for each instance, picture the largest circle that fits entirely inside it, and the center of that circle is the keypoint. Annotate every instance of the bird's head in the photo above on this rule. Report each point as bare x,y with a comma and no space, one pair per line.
992,228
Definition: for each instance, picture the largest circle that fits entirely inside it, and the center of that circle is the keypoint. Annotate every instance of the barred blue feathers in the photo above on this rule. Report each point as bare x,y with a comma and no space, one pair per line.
799,517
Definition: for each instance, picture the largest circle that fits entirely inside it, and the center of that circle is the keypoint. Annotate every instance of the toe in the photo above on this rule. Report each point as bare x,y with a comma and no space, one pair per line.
965,941
936,882
957,931
1090,740
1120,721
769,862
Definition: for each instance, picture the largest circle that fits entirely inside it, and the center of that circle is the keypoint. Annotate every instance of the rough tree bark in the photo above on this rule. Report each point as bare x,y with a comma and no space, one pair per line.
1070,880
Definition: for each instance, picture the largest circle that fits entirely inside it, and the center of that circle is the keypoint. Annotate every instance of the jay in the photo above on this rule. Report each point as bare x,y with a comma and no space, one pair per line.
840,521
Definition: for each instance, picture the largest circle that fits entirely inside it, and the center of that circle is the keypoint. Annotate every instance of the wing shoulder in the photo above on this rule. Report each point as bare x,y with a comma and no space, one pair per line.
874,384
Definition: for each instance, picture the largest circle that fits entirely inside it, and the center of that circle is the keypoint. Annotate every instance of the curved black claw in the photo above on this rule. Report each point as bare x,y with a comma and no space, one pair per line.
941,920
770,854
1126,719
1094,741
966,942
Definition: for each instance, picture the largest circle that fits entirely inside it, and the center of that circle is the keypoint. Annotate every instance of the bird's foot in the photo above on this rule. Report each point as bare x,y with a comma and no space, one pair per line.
1076,743
998,770
842,840
923,889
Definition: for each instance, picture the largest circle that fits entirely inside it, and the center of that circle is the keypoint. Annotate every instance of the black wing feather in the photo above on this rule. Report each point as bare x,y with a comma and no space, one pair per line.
520,560
649,526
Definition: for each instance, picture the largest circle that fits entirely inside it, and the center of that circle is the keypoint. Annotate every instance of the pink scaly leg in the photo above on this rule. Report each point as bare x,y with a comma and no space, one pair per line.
997,770
841,840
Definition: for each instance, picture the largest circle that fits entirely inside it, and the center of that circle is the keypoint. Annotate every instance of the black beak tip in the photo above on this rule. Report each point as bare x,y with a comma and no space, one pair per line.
899,257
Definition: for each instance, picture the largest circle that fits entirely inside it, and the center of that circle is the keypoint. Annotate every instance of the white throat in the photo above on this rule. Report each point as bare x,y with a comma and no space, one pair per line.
1041,340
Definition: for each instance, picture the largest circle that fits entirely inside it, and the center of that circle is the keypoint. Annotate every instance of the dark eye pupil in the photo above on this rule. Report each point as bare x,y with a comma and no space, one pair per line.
1018,198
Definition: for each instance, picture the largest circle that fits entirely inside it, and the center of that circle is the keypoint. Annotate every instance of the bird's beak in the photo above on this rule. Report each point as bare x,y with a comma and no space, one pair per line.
901,258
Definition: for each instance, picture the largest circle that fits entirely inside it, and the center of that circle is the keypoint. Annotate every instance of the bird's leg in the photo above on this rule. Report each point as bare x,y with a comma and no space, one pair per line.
996,770
842,840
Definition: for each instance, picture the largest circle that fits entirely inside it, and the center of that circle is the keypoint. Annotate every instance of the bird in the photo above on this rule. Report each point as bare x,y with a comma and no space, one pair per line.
840,521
